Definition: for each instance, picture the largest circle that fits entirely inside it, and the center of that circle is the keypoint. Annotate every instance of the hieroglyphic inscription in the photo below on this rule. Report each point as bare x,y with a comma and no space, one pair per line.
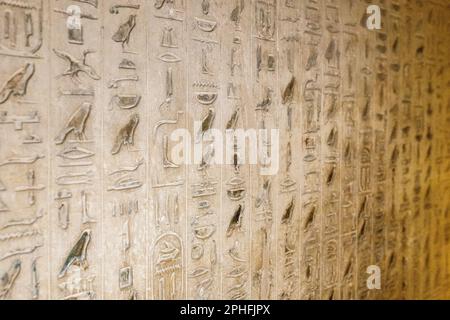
103,105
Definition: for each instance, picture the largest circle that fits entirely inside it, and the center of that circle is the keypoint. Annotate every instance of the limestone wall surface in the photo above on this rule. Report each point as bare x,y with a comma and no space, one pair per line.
99,100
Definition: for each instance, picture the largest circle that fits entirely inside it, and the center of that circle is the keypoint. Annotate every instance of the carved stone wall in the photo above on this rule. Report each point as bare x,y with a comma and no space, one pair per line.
93,206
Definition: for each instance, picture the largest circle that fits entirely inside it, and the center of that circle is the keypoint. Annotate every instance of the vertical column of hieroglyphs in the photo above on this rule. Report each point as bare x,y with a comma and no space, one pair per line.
444,135
408,181
403,158
429,169
413,147
434,135
364,151
442,48
427,55
447,152
125,130
380,105
410,214
347,134
418,145
204,199
236,203
76,150
166,86
396,55
264,187
329,134
444,78
395,260
405,166
312,52
24,157
288,212
438,138
433,172
348,137
412,129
